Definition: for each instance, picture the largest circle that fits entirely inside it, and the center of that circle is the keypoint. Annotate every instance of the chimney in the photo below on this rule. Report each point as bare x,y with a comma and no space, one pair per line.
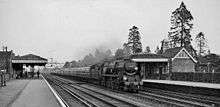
5,48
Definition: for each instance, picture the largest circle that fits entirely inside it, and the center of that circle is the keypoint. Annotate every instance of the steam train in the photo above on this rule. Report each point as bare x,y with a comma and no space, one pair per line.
117,74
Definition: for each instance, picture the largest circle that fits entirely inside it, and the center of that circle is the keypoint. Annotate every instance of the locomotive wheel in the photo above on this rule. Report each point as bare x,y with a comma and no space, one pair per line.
125,88
102,83
112,85
121,86
117,85
107,84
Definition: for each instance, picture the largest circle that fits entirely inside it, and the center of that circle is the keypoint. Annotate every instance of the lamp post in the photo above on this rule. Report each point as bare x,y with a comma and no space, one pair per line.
208,66
1,74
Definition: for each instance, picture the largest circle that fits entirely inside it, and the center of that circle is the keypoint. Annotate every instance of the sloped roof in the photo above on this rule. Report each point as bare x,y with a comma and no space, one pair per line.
29,57
211,58
170,53
148,55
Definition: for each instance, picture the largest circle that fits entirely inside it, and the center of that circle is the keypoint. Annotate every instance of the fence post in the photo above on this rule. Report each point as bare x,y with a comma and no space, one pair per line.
193,77
4,80
1,79
213,76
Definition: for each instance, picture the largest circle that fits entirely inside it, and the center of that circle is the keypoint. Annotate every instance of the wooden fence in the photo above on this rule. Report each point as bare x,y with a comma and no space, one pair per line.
196,77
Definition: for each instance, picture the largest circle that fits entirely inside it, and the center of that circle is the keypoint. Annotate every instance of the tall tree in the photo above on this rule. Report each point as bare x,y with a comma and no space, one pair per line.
147,50
119,53
88,60
181,26
134,40
66,65
102,54
126,49
108,53
74,64
157,51
165,45
201,43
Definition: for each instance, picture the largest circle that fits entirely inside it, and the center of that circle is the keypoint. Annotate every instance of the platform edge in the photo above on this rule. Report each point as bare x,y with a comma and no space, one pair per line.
58,97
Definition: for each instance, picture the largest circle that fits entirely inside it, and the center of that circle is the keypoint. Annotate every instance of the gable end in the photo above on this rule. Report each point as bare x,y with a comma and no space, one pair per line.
183,53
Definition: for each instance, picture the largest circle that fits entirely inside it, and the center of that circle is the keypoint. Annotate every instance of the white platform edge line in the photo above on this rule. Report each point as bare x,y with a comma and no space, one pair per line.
184,84
58,97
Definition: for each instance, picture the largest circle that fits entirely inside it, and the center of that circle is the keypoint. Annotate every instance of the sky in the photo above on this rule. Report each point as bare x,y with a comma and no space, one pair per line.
69,29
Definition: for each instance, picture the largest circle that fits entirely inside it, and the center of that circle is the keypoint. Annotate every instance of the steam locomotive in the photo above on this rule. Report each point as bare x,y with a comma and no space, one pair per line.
117,74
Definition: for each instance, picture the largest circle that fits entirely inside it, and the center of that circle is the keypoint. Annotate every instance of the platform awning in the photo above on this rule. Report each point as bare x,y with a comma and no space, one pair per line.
29,61
150,60
148,57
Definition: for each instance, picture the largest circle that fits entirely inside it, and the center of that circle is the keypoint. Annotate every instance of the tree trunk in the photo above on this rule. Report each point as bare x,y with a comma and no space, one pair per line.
181,38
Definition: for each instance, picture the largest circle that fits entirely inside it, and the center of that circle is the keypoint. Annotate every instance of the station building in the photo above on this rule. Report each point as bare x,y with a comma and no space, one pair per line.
11,66
161,66
180,60
29,60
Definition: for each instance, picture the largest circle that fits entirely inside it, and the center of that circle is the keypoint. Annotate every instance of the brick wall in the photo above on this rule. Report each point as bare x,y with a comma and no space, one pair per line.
183,65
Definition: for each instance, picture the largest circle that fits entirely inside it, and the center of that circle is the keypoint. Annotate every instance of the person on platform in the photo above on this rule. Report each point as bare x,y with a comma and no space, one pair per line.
32,72
38,73
25,74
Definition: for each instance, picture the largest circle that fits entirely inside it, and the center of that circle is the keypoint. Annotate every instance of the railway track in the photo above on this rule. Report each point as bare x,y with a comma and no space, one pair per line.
194,100
92,98
162,100
69,97
172,100
169,98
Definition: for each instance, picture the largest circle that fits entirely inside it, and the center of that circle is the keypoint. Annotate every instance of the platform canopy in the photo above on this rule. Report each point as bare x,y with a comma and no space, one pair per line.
29,59
148,57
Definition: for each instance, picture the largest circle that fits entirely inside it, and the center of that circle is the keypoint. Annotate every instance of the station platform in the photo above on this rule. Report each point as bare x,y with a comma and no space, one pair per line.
208,89
28,93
